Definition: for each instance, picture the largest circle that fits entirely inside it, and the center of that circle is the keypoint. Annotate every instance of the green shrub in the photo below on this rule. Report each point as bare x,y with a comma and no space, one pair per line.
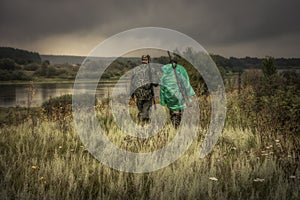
62,103
31,67
61,106
6,75
7,64
51,71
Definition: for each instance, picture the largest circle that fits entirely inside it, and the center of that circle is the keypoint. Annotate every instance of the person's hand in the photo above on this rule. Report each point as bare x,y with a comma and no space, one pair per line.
132,96
132,100
188,104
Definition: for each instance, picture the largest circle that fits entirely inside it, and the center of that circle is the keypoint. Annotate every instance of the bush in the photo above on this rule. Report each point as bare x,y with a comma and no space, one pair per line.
291,78
6,75
51,71
31,67
20,75
60,107
269,105
107,75
7,64
62,104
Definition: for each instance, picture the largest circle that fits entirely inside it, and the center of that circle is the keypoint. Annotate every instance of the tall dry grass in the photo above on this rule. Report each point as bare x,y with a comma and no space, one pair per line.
43,158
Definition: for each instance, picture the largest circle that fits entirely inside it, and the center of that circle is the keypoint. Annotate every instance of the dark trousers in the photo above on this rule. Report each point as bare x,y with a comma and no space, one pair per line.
144,110
175,116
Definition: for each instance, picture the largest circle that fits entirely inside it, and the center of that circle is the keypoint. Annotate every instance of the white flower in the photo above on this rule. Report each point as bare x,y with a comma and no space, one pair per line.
213,178
259,180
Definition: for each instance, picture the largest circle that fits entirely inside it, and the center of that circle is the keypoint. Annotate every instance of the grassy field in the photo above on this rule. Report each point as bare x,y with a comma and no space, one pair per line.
42,157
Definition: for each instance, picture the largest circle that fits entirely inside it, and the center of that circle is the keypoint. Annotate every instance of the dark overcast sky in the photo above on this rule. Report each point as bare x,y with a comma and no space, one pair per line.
226,27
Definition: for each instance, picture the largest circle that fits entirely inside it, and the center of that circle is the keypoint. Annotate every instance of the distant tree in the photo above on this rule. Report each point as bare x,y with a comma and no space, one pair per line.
268,67
291,78
51,71
7,64
222,71
162,60
20,75
252,77
6,75
44,68
31,67
46,62
19,56
236,63
221,61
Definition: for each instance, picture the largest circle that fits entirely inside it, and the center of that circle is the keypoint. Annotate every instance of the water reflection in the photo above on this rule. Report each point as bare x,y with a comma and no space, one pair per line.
7,95
17,94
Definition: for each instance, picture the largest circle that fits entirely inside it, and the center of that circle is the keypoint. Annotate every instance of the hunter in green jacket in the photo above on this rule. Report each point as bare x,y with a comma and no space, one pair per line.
171,93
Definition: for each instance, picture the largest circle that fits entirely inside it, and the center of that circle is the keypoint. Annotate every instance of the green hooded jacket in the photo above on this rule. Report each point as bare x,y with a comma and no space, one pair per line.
170,94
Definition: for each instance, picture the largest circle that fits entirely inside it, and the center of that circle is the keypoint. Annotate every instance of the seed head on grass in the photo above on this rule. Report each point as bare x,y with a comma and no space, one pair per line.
34,167
213,178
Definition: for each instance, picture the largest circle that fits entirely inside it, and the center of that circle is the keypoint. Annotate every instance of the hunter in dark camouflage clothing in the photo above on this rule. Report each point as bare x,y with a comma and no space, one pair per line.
142,88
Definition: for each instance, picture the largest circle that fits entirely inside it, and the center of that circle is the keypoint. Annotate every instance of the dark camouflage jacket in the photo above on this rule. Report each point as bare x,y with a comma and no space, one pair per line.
142,82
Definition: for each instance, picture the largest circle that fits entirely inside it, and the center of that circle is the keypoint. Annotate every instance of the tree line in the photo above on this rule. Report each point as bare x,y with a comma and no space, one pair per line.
19,56
17,64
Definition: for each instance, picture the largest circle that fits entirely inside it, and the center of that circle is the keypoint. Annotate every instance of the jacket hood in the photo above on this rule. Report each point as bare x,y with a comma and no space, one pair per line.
168,68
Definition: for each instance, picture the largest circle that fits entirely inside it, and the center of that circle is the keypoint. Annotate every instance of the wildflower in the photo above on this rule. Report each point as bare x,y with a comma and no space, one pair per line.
34,167
213,178
264,153
277,141
60,147
259,180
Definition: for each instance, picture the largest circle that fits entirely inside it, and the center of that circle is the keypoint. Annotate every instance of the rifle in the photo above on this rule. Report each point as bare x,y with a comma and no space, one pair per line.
182,91
151,85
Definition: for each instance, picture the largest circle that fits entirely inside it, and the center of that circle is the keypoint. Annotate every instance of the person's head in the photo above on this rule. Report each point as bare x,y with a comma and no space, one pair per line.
145,59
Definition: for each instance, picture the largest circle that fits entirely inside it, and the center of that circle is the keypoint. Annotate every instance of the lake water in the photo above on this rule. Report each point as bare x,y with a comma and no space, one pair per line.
17,94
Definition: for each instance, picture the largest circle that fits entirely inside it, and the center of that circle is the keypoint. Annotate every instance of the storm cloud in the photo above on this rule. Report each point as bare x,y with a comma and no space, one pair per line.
230,28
